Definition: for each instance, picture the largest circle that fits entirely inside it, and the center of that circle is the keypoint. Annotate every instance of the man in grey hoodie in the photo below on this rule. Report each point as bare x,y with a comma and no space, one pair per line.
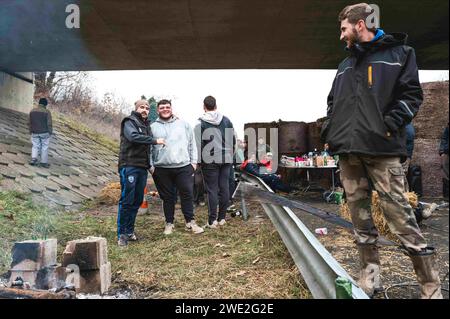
215,144
173,165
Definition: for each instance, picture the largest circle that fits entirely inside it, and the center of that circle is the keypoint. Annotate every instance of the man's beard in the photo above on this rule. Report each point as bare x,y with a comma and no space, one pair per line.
144,116
354,38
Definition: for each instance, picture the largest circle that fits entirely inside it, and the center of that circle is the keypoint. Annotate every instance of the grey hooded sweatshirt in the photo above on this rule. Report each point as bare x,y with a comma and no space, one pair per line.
180,149
214,135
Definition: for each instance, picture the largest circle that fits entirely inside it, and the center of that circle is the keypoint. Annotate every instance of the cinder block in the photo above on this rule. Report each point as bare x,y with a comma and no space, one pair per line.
96,281
27,276
89,253
51,277
33,254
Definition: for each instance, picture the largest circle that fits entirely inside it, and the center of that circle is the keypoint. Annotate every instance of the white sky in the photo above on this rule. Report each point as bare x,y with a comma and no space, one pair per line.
242,95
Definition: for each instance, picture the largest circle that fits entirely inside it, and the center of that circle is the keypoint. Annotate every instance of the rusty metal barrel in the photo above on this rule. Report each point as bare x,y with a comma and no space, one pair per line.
292,138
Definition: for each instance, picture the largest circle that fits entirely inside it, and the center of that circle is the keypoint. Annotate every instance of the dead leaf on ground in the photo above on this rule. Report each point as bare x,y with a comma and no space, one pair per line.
226,255
241,273
255,261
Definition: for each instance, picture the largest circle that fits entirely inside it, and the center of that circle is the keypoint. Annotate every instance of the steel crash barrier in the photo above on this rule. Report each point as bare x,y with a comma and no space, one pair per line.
317,266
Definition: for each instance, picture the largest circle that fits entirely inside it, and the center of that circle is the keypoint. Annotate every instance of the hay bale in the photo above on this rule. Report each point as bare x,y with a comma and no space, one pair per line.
427,157
110,194
377,213
433,113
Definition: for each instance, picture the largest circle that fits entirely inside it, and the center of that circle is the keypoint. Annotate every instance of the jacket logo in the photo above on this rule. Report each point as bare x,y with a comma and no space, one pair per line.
131,179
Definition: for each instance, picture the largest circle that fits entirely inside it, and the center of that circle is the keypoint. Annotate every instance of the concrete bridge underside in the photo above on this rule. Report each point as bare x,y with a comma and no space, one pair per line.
201,34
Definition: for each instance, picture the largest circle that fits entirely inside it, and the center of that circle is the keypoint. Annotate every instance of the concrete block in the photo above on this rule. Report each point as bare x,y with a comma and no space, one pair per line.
26,275
95,281
33,254
45,278
51,277
89,253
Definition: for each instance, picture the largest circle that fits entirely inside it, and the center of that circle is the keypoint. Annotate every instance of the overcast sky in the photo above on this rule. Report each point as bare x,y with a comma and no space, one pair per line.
242,95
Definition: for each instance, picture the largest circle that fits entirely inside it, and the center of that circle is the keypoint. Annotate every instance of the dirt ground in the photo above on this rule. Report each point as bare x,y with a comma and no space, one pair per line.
243,259
396,266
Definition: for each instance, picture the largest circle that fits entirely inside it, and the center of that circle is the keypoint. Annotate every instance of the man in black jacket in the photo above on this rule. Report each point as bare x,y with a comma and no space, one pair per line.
134,161
215,144
41,128
375,94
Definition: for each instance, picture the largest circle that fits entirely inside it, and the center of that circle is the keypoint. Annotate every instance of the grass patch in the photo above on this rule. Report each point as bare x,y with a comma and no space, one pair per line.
102,139
240,260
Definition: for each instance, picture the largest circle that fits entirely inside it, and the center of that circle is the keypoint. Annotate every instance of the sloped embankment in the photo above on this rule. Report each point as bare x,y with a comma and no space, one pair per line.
81,163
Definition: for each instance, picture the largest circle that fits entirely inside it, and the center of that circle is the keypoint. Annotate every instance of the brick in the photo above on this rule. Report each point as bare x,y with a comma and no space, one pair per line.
89,253
96,281
34,254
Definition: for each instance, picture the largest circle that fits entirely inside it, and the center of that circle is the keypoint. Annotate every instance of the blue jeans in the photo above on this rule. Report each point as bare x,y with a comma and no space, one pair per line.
40,146
132,183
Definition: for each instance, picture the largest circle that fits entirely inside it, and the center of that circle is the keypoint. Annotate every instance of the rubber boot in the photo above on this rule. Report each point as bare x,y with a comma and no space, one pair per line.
427,273
369,276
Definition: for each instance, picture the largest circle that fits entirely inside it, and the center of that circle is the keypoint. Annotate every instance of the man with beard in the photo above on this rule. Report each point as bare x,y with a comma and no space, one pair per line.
375,94
134,161
173,166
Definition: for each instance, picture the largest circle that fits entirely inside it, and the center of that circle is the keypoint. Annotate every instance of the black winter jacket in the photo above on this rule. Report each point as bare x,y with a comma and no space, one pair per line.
375,93
135,141
40,120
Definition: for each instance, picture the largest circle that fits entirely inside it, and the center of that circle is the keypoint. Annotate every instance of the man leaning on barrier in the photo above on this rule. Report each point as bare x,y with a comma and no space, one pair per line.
375,94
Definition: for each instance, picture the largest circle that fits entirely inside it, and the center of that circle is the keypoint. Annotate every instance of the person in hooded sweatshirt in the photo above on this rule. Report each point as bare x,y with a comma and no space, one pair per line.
173,166
215,144
376,92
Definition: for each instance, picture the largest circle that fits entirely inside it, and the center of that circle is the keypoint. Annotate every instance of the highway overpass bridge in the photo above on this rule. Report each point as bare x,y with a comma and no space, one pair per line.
43,35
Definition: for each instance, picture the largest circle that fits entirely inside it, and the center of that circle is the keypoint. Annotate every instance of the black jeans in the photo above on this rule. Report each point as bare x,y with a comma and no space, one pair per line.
170,180
199,189
216,178
232,185
275,183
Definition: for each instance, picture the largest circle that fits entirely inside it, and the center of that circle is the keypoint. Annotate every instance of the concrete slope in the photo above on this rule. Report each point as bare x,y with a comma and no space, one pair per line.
79,166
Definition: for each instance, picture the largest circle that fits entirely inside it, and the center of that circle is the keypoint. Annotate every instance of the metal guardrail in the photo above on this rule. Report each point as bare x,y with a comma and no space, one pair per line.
318,267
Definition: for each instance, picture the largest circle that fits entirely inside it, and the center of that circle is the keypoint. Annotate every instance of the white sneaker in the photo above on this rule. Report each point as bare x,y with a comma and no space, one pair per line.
222,222
192,225
214,225
429,208
168,229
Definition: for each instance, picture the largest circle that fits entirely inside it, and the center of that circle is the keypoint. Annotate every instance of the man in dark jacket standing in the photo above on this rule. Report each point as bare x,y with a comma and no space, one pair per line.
40,125
375,94
134,161
215,144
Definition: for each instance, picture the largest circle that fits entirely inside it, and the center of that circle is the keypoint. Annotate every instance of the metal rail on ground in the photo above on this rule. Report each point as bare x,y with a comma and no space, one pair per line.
318,267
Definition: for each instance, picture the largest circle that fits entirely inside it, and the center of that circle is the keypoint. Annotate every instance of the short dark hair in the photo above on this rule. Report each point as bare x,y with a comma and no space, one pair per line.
43,101
356,12
209,102
164,101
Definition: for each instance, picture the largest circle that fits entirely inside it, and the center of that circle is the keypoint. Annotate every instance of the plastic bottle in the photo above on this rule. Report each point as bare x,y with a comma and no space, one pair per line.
343,288
310,159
